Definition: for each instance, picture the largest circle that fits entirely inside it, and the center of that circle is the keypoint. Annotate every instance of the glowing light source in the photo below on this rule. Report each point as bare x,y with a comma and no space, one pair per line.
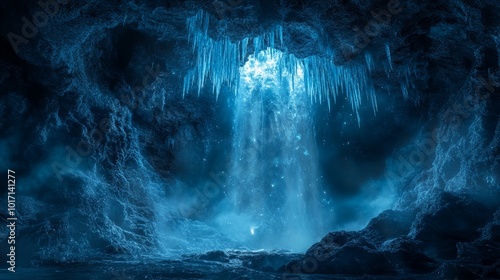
268,69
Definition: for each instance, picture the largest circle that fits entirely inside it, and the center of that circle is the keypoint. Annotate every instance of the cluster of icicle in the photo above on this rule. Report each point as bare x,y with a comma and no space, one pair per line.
219,62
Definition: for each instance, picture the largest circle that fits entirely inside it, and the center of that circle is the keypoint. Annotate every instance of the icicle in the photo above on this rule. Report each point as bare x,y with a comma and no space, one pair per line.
386,69
244,47
162,98
404,90
388,53
218,62
280,31
369,62
271,40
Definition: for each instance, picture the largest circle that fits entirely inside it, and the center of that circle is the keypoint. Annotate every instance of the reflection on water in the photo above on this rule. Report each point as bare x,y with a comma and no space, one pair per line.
212,265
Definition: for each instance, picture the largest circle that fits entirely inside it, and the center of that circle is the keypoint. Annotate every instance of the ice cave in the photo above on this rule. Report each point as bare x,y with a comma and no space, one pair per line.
237,139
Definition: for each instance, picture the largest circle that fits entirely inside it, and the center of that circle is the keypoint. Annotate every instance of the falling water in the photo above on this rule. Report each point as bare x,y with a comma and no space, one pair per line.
274,195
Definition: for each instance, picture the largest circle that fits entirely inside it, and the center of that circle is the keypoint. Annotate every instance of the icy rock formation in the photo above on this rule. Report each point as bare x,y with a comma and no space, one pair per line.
459,238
